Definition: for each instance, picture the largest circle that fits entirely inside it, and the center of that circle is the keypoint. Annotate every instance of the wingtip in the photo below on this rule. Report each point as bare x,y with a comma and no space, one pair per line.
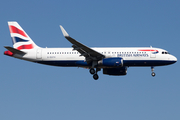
64,31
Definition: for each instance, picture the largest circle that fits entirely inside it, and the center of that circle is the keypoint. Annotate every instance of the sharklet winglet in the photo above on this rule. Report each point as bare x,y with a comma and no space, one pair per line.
64,32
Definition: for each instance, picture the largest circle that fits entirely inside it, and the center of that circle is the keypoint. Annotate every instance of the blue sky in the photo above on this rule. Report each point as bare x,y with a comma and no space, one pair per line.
33,91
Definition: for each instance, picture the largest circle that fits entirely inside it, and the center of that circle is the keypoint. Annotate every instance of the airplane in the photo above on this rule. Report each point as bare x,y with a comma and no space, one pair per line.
112,60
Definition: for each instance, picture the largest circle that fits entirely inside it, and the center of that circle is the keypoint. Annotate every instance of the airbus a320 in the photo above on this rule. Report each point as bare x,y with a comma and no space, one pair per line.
112,60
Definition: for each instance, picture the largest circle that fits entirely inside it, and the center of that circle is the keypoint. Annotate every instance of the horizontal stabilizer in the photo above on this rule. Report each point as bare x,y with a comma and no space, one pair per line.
15,51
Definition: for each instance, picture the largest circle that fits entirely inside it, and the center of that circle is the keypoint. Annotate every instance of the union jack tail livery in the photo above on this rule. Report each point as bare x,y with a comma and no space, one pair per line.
22,43
20,38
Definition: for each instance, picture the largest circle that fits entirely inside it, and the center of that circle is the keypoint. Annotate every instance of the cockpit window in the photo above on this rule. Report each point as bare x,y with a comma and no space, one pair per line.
165,52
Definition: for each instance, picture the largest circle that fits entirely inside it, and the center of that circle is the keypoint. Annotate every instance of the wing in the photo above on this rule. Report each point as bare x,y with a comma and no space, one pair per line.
88,53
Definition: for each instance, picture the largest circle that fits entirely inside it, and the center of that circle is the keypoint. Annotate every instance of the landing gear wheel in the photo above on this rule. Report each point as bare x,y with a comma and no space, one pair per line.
152,69
95,76
153,74
92,71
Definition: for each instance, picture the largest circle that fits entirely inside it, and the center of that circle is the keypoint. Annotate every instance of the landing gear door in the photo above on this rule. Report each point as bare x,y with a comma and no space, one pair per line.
39,54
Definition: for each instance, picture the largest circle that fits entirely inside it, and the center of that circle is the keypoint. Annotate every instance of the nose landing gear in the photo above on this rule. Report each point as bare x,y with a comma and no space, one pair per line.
153,73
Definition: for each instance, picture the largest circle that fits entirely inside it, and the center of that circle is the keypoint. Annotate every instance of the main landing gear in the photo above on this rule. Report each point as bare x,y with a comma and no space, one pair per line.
152,69
94,73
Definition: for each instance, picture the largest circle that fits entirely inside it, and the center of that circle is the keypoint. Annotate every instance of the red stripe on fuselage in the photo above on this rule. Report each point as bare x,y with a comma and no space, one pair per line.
13,29
148,50
30,46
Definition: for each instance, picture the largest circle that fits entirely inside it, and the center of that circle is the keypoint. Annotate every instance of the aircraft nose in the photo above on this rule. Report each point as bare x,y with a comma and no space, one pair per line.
174,59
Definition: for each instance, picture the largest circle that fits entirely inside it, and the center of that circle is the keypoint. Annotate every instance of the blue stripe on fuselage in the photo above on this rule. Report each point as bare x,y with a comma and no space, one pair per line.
69,63
75,63
147,62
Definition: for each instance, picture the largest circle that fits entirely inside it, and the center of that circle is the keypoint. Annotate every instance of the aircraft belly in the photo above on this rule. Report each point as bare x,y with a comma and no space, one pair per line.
147,62
67,63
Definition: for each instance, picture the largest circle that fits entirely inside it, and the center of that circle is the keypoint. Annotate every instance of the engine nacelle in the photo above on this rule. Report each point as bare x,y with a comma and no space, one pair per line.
115,71
112,62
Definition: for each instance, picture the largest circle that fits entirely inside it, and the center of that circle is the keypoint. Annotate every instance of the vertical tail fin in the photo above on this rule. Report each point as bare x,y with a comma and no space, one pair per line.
20,38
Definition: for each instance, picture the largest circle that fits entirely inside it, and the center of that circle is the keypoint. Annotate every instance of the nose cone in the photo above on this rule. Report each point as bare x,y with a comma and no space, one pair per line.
173,59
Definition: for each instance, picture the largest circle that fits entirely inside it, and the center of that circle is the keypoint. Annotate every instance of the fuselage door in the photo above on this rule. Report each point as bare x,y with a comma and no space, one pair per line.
153,54
39,54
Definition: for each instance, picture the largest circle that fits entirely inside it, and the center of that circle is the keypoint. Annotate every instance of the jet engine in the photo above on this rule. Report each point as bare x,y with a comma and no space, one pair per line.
112,62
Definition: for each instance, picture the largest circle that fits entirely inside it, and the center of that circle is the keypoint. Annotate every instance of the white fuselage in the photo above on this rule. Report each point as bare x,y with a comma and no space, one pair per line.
135,56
